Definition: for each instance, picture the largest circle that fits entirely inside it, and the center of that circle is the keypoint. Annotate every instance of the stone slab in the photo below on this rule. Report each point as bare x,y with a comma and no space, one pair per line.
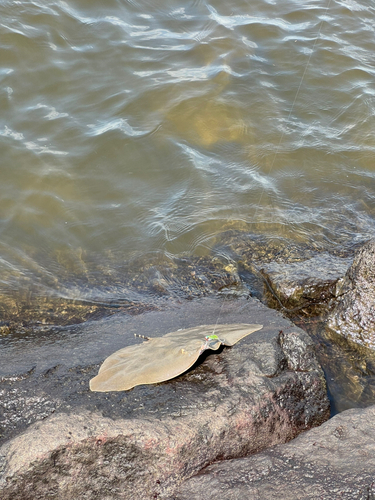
334,461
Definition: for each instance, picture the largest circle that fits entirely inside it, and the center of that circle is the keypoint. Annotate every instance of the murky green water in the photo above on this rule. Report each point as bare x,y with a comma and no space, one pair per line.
130,128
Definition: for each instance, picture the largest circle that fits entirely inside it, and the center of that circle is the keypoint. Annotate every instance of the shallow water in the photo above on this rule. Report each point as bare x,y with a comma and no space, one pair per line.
136,128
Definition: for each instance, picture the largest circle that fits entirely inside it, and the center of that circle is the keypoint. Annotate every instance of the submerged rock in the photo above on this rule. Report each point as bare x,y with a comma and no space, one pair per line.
305,287
142,443
354,313
349,369
336,460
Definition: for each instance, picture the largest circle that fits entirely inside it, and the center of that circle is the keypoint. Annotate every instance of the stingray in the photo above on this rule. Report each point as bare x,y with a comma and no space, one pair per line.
162,358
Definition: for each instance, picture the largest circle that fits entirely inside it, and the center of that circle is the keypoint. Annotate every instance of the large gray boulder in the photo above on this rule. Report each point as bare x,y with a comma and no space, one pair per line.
334,461
142,443
354,313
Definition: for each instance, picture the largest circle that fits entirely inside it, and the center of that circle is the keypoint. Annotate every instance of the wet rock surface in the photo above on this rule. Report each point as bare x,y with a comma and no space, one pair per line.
287,275
336,460
98,289
308,287
354,313
137,286
62,441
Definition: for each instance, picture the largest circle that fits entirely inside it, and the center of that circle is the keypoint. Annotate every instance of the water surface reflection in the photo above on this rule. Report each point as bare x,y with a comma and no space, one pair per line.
131,130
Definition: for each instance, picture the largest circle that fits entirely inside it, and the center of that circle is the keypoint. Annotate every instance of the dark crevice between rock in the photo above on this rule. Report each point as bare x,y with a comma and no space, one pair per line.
332,298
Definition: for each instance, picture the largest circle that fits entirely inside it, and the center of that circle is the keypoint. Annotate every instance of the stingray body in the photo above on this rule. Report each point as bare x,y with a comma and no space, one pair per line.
162,358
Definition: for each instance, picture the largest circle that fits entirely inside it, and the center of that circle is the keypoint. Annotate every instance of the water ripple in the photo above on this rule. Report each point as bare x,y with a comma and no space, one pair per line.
134,127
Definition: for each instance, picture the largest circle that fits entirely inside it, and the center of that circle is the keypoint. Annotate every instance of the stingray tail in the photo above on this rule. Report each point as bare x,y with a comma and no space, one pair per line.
142,336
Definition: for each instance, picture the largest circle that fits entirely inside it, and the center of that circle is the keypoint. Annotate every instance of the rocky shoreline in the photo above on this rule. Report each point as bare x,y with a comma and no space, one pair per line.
60,441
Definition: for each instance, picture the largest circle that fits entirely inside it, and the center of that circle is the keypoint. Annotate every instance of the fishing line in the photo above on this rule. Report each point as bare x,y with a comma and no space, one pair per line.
278,148
295,99
220,311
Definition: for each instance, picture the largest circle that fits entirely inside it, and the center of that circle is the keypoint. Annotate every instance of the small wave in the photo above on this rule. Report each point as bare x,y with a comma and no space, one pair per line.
120,124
